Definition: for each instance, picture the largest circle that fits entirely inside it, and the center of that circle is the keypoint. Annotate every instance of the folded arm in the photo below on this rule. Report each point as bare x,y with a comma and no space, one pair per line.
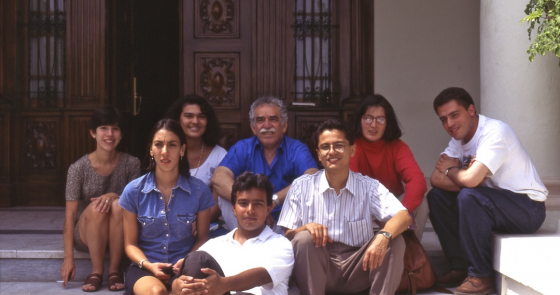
471,177
222,181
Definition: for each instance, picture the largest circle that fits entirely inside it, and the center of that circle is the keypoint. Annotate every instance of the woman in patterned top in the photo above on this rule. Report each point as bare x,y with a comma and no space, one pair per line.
93,221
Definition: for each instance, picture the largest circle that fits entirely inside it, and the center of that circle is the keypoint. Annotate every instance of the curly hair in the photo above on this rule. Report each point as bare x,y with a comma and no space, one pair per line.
211,136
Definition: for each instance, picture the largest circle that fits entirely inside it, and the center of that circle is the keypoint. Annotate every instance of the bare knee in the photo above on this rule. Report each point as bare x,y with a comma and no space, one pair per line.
116,209
158,290
92,214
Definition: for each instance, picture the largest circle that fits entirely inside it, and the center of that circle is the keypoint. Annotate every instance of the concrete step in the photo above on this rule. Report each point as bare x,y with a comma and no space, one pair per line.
31,238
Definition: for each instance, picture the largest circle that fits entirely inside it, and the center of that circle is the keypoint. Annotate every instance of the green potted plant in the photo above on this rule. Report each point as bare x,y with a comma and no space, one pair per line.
545,16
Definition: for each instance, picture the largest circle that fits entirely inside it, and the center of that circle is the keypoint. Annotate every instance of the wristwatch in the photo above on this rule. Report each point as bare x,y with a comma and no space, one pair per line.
141,263
386,234
447,171
275,199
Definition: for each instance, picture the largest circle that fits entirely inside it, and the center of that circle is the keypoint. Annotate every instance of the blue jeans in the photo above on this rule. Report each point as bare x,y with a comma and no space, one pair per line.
464,222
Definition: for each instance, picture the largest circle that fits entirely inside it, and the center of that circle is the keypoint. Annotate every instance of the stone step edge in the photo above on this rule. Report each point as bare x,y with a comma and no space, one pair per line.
40,254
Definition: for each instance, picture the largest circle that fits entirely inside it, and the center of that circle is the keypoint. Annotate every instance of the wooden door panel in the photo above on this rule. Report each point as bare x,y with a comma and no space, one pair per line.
5,159
304,123
217,19
78,141
217,78
85,53
38,160
272,53
217,63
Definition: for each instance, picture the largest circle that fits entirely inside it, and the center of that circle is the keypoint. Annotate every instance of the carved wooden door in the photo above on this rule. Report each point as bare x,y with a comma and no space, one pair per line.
217,60
53,74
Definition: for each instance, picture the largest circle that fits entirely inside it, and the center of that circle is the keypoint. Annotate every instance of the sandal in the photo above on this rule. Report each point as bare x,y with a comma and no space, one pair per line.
114,279
94,280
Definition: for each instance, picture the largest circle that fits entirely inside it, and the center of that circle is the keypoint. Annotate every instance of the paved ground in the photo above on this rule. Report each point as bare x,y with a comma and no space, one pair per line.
22,288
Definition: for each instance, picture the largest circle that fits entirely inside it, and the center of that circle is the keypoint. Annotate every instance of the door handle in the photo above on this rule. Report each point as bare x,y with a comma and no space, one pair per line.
136,100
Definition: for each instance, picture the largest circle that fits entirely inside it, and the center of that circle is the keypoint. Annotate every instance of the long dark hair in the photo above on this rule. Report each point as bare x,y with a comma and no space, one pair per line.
175,127
392,131
211,136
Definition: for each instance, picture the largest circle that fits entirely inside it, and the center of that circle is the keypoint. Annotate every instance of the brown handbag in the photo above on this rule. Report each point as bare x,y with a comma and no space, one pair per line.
418,272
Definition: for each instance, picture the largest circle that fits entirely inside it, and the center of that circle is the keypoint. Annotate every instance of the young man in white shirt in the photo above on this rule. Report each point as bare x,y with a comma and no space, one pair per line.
251,259
330,215
484,181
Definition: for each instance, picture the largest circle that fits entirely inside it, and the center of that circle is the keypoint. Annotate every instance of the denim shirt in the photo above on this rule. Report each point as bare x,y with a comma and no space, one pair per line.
166,235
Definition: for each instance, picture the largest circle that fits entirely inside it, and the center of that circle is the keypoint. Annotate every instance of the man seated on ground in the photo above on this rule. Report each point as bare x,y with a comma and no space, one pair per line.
251,258
329,217
484,181
281,158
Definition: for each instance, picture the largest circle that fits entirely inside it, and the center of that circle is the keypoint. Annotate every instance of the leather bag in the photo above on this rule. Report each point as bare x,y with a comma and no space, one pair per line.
418,272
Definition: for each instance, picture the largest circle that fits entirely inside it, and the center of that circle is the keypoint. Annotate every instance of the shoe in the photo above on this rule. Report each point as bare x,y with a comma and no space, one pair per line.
476,286
452,278
114,279
93,280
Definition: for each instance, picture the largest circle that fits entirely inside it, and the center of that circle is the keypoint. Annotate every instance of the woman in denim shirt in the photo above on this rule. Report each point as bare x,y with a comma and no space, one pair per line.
160,208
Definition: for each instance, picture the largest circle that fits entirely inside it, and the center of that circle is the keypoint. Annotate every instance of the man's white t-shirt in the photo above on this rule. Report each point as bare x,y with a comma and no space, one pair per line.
269,250
497,147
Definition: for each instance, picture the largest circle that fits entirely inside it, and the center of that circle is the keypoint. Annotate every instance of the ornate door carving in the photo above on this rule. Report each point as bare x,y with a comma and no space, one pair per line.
216,49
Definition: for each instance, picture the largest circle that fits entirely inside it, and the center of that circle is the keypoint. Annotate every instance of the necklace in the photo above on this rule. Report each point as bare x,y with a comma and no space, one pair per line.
199,158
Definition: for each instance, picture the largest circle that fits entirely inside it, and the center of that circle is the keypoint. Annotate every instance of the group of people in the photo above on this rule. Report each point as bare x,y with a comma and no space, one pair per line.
333,230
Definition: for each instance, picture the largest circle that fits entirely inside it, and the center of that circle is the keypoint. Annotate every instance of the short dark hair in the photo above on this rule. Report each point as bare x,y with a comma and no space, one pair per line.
105,115
211,136
333,124
392,131
458,94
175,127
248,180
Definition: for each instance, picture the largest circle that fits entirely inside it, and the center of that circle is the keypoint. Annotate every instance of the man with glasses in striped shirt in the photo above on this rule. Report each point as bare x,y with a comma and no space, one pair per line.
329,217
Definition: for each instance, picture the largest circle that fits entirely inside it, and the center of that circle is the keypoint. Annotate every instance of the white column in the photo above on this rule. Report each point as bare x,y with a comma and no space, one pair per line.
525,95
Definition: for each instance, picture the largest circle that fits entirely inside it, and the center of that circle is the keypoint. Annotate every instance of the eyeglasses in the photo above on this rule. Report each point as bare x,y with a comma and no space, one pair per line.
337,147
369,119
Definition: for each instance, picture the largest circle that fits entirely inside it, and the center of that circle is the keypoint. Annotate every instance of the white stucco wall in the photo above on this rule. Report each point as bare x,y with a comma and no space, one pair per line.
421,48
525,95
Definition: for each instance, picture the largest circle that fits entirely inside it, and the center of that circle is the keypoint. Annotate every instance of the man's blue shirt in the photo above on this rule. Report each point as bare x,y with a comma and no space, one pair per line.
165,235
291,161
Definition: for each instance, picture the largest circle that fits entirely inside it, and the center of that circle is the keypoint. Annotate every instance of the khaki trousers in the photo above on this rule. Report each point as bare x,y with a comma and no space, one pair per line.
337,268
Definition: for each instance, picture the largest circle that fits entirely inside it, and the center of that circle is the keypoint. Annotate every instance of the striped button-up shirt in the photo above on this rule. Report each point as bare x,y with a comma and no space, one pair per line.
348,216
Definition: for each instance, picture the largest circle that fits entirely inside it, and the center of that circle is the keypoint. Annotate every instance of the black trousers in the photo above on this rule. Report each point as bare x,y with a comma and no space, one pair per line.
196,260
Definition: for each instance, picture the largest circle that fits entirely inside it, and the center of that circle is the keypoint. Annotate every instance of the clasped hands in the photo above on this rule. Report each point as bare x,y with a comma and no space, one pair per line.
373,258
212,284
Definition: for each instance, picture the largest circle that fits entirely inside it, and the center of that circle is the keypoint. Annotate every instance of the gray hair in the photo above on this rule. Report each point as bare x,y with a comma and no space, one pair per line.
268,100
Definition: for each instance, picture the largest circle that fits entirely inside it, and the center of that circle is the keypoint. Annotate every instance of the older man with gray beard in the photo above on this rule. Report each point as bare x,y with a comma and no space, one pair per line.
268,152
